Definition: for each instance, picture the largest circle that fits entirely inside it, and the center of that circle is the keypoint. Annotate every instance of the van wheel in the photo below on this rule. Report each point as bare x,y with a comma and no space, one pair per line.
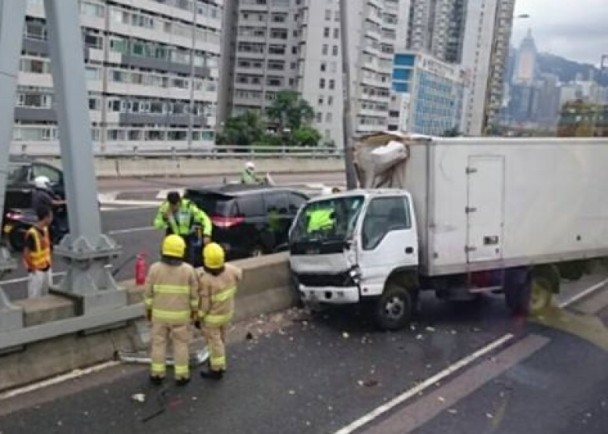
394,308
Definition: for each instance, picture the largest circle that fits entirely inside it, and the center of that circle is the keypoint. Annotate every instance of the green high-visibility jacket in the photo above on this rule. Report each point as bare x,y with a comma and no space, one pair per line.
250,178
181,222
320,219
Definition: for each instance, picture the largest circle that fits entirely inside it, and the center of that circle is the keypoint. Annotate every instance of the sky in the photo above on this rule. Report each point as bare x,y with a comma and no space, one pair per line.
574,29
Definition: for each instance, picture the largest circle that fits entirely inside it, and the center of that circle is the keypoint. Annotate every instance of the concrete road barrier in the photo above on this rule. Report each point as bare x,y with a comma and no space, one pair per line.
184,167
265,289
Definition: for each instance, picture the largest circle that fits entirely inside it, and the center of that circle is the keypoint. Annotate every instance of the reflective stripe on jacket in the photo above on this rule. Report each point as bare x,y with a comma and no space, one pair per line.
182,221
40,259
217,295
171,292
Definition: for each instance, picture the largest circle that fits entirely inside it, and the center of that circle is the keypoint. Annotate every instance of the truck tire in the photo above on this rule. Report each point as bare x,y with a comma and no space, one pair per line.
531,297
394,309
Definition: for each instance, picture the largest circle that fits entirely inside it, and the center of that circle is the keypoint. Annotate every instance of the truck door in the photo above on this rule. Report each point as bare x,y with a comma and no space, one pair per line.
388,241
485,208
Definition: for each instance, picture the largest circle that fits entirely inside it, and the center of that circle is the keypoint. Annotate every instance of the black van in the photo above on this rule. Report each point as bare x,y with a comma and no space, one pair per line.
249,220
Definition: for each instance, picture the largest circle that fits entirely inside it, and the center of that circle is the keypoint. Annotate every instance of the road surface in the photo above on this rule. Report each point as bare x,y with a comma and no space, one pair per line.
462,368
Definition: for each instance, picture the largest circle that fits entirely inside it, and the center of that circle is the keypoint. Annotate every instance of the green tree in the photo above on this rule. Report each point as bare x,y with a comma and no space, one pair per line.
244,130
306,136
289,111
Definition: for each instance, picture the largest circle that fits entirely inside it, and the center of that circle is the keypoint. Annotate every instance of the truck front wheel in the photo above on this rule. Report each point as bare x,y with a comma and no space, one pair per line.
394,308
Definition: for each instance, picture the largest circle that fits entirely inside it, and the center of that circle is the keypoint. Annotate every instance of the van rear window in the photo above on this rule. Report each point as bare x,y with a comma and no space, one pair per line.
212,203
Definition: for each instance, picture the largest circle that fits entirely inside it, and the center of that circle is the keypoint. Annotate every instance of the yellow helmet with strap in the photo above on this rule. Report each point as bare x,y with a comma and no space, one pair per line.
213,256
174,246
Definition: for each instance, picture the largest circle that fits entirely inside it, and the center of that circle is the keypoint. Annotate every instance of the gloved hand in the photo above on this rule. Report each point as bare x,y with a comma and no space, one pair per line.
149,314
197,324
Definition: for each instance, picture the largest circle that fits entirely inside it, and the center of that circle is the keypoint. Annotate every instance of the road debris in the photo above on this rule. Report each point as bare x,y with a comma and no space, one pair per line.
453,411
292,392
419,337
441,399
139,397
345,335
489,415
430,329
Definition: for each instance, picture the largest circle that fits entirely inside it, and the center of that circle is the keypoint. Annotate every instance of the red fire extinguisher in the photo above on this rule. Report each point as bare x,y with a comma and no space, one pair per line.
140,269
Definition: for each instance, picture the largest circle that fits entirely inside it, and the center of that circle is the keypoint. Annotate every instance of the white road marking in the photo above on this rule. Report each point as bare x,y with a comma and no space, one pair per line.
583,294
127,231
364,420
59,379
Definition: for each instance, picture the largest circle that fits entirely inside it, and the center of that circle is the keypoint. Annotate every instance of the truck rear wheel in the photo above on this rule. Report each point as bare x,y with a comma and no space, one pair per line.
394,308
531,297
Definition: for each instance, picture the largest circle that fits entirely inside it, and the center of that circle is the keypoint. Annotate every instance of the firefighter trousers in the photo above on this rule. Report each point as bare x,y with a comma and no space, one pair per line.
216,341
180,337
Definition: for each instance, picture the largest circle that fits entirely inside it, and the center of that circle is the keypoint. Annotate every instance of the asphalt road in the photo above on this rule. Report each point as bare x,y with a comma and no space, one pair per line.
320,374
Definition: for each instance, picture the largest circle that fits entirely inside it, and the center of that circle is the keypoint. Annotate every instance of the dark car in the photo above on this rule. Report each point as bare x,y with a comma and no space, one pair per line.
18,216
249,220
20,181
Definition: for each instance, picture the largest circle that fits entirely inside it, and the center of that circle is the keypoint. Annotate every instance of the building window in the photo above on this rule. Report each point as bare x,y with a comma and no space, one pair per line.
328,117
325,49
327,15
405,59
326,31
321,100
330,100
322,83
334,50
332,84
336,33
323,66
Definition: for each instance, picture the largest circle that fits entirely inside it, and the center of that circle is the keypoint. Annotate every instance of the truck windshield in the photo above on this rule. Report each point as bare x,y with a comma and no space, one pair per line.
327,220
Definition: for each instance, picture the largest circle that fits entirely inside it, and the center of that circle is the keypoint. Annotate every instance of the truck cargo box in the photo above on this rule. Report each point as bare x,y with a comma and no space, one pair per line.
485,203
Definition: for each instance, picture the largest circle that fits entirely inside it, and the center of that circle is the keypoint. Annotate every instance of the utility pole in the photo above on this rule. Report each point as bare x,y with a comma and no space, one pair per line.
347,127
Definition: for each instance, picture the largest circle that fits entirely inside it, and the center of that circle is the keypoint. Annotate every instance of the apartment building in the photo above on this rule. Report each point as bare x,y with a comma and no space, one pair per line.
152,75
296,45
436,27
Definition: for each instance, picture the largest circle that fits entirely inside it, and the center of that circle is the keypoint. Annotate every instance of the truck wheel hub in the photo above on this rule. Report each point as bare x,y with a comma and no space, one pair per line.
394,308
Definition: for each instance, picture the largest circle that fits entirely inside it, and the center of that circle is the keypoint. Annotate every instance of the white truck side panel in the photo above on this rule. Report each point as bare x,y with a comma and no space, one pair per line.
555,201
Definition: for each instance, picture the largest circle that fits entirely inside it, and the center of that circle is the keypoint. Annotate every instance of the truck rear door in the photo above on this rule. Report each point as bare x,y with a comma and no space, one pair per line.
485,208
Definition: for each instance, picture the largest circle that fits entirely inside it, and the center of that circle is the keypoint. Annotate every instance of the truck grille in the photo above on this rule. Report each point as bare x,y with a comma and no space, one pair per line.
339,280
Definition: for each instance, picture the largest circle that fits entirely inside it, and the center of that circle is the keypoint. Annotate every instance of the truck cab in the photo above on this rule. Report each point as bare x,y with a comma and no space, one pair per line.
355,247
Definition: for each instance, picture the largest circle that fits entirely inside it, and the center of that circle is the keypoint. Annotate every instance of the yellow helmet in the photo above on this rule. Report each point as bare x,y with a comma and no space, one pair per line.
174,246
213,256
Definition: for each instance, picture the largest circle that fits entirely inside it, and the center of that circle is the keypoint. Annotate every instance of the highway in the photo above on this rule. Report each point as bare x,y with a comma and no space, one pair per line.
128,207
461,368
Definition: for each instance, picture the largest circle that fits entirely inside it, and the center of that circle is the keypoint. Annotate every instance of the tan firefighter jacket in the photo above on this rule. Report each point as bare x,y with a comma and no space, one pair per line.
217,296
171,292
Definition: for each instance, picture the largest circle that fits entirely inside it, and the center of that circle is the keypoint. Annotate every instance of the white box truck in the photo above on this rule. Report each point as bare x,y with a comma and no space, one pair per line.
459,216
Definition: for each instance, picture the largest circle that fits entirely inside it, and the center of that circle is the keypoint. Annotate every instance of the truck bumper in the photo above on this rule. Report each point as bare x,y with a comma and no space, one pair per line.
329,294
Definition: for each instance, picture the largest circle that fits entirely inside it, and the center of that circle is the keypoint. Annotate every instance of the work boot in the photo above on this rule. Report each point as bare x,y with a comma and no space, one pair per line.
182,381
156,380
212,375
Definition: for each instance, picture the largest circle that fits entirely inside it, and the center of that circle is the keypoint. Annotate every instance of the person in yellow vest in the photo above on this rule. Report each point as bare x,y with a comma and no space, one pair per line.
37,254
217,287
171,300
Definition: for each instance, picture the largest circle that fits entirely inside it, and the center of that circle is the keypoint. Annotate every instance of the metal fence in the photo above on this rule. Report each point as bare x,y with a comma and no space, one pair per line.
218,152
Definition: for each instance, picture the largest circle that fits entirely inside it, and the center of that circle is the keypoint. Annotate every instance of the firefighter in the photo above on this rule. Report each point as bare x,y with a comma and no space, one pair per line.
182,217
171,299
217,287
37,254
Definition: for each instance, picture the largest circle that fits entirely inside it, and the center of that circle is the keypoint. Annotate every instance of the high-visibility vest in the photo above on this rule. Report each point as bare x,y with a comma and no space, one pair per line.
41,258
217,295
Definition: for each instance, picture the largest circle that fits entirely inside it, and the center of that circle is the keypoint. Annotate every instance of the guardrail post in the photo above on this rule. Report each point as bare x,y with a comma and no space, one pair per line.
12,20
85,248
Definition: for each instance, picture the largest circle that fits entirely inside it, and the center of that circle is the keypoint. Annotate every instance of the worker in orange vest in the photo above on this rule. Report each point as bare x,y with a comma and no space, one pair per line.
37,254
217,287
171,300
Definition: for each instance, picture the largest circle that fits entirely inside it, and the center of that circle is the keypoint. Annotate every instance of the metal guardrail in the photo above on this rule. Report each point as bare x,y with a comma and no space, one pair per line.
219,152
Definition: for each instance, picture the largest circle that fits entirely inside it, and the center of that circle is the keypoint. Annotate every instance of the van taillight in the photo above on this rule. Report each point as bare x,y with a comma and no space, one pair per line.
226,222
